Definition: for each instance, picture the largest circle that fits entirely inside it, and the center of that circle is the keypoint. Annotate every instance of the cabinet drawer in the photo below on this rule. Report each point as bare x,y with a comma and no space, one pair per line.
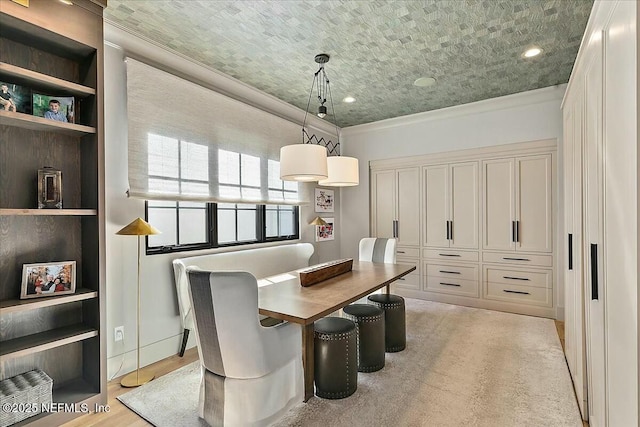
403,251
515,258
411,280
520,277
519,294
451,255
467,288
452,271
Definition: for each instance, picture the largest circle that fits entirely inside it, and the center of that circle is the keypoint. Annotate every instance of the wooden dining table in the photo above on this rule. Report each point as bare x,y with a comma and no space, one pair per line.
282,297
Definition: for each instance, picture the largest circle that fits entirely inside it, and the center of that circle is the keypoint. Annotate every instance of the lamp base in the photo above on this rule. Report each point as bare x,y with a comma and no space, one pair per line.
137,378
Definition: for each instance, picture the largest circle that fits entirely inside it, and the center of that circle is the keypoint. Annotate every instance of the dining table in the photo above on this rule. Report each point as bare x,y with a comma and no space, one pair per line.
283,297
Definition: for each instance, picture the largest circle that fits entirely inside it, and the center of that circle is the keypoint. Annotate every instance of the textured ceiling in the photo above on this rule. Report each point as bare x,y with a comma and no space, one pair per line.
378,48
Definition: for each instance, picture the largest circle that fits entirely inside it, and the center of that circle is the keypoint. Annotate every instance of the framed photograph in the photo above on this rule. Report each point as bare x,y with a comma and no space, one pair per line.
15,98
49,188
48,279
325,232
324,200
59,108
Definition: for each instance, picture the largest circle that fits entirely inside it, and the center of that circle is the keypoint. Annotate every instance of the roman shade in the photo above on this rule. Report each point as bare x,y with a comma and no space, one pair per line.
190,143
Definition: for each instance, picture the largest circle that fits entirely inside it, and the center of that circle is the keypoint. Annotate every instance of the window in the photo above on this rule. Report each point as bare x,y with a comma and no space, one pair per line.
182,169
189,226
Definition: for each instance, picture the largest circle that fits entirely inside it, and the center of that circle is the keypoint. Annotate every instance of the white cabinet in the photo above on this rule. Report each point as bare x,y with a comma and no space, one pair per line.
451,205
395,199
572,245
518,204
441,205
600,118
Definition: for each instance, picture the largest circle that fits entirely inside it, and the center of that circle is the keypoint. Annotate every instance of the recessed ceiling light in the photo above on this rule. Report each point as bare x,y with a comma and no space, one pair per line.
67,2
424,82
349,99
530,53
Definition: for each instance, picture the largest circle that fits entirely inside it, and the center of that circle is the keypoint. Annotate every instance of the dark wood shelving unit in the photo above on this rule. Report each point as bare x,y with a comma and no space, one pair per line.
39,54
16,305
48,212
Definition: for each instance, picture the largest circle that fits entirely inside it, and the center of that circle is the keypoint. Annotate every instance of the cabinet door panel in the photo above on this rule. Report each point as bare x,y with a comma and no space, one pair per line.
384,196
408,206
499,204
464,205
436,200
534,200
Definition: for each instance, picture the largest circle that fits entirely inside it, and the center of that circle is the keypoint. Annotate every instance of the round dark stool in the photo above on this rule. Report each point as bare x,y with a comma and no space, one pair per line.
335,357
369,321
395,335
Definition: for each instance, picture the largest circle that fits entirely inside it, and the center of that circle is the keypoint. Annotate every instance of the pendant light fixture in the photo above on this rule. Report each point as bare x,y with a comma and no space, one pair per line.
308,161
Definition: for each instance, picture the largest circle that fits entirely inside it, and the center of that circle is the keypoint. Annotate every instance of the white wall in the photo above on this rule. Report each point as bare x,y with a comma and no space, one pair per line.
521,117
160,330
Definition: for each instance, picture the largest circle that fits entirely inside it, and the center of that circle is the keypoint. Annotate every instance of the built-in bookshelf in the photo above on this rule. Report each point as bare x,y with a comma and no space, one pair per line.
54,49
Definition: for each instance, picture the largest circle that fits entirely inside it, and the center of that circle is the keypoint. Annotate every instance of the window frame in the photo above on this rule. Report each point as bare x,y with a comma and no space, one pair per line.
212,231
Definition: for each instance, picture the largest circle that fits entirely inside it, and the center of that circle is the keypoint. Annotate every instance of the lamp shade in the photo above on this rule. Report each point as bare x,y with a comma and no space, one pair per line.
138,227
303,162
343,172
318,221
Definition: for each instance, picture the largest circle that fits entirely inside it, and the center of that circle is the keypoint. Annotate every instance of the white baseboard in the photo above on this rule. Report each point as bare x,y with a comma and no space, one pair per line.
149,354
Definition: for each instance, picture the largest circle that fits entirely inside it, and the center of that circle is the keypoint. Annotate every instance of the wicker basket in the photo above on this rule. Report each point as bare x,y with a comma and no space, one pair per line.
23,396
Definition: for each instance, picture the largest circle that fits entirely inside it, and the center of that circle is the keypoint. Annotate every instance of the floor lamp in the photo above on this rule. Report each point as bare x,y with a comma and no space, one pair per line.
138,227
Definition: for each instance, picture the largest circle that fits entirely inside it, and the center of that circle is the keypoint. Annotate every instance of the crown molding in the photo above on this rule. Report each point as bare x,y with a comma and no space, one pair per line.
150,52
551,93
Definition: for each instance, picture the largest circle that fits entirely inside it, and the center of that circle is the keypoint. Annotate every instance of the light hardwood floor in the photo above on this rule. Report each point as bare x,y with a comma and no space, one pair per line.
120,415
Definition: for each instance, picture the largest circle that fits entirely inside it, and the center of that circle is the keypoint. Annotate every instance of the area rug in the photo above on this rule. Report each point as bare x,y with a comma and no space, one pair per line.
462,367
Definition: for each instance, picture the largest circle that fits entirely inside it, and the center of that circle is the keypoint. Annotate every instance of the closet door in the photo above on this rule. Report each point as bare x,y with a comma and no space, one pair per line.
533,201
499,204
436,199
572,253
464,205
408,206
593,225
383,200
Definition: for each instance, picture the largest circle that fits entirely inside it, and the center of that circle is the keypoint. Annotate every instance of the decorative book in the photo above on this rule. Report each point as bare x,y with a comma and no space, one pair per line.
318,273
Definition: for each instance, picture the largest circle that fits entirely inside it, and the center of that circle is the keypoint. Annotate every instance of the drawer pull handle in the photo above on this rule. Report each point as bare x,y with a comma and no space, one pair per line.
515,278
515,292
402,278
401,252
449,255
450,284
516,259
450,272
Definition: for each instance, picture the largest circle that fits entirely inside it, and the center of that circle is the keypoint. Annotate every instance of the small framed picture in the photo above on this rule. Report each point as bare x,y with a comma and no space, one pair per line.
325,232
48,279
59,108
324,200
15,98
49,188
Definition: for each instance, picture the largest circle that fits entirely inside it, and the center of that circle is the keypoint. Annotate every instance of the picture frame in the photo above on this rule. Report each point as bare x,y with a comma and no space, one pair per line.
44,106
15,98
48,279
324,200
49,188
325,232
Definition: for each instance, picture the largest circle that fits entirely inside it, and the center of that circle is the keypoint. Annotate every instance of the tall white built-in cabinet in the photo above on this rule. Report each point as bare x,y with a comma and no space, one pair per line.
600,242
478,224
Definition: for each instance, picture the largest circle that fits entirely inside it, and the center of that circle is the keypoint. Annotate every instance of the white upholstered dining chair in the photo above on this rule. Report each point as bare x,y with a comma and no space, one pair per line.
251,375
378,250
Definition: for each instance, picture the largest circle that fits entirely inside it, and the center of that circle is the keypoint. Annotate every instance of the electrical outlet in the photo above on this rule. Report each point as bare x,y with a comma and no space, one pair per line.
118,333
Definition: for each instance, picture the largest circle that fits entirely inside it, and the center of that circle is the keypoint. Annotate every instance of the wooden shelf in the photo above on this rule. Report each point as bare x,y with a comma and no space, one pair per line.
16,305
28,121
78,392
35,343
48,212
30,78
